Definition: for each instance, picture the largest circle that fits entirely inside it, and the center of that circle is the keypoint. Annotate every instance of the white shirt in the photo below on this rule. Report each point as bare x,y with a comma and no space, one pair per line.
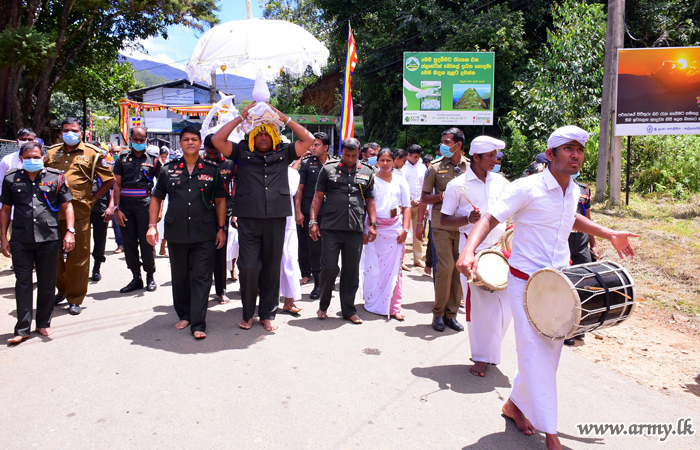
293,179
414,175
388,196
483,195
543,217
8,163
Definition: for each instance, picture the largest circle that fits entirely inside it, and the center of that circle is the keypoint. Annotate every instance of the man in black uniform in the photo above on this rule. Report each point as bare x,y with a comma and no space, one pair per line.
308,175
196,206
227,170
37,193
261,204
135,173
348,187
579,242
100,216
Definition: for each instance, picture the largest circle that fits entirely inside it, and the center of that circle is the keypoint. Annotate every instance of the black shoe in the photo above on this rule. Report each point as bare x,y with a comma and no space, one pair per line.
96,276
58,299
315,293
74,309
151,285
570,342
452,323
439,323
136,283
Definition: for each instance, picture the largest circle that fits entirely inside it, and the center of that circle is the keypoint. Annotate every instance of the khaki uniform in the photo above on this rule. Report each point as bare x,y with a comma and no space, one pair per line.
77,166
448,289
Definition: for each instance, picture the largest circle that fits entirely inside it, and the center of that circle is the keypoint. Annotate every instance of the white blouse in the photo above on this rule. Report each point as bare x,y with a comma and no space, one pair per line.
388,196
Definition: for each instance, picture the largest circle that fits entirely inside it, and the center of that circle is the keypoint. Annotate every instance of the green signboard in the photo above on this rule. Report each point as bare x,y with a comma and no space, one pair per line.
448,88
307,119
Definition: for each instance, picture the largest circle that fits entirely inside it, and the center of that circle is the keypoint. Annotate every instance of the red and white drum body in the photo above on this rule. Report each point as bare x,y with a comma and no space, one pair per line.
565,302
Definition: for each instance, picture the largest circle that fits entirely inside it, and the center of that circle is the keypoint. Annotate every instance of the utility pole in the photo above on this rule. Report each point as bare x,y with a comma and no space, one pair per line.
212,89
610,146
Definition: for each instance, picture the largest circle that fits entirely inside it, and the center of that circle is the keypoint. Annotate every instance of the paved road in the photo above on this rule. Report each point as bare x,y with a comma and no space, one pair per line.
121,376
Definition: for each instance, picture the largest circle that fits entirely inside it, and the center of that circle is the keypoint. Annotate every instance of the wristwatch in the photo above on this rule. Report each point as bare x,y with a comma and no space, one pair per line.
222,227
406,230
116,207
70,230
373,224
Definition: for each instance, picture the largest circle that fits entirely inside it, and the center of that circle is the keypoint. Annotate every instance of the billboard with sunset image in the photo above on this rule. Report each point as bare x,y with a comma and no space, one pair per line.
658,91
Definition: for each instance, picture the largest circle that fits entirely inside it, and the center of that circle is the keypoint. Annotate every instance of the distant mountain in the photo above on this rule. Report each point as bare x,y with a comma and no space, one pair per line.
470,100
151,73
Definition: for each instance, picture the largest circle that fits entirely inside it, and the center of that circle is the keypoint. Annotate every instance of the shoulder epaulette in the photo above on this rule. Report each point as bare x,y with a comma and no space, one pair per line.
11,171
210,162
52,170
93,148
332,162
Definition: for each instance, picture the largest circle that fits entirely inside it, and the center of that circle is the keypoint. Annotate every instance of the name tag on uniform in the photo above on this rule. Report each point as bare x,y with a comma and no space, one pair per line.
19,184
205,178
443,171
361,176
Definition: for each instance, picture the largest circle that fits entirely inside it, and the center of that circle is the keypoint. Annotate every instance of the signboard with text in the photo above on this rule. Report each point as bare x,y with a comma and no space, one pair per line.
448,88
658,91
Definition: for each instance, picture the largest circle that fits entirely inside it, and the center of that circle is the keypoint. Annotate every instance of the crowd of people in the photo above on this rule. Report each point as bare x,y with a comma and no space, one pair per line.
284,213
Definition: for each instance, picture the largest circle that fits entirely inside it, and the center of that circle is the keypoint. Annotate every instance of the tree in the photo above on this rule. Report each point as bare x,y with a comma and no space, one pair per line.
42,43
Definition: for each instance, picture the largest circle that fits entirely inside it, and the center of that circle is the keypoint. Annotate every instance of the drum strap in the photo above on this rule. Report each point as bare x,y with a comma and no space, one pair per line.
518,274
607,294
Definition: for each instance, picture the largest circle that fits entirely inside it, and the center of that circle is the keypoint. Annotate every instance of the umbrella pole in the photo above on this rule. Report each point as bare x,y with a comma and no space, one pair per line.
248,9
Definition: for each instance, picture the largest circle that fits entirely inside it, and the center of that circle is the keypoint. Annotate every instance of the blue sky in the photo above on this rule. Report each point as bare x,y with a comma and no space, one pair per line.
176,50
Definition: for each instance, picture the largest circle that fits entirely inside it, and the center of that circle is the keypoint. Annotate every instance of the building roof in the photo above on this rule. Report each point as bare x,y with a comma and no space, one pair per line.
138,93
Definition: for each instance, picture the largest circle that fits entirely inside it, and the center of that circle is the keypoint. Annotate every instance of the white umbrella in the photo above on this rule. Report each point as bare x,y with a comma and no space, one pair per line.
254,46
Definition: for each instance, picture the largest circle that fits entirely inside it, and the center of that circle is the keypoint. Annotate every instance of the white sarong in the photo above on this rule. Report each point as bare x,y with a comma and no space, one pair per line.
231,247
380,266
290,273
161,225
488,319
535,384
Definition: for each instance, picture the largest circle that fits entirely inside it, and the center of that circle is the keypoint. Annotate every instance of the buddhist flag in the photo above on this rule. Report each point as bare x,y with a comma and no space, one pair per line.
124,109
347,119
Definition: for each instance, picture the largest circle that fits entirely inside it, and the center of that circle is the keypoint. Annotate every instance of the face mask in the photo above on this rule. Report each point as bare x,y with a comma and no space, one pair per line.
33,165
445,151
71,138
496,168
576,175
372,160
138,147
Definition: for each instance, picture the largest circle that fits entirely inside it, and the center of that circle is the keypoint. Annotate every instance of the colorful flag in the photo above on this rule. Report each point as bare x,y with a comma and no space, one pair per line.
88,133
347,119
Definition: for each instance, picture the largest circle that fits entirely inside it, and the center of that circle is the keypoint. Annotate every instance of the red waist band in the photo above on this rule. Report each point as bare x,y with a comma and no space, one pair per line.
518,274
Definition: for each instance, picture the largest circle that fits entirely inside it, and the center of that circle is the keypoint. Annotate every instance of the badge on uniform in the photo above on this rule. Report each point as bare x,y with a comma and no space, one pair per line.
205,178
104,163
48,183
81,159
362,176
225,172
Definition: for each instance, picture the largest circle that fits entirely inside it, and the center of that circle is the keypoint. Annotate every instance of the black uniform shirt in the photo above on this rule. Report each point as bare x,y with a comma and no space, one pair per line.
227,168
191,215
137,172
308,176
262,189
102,203
584,201
34,219
346,190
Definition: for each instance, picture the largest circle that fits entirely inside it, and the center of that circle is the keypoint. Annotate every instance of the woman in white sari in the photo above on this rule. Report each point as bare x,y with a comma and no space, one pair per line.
380,267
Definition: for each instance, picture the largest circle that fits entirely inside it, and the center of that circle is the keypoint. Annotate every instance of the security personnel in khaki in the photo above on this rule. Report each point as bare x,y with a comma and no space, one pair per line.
194,228
37,194
448,289
227,169
80,164
136,173
309,170
348,187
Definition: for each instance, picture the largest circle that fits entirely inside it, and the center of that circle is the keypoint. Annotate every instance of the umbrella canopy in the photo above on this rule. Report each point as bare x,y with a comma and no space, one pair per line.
252,45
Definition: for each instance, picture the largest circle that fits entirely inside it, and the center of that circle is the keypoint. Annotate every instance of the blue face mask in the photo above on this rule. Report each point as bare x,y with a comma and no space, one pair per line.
496,168
372,160
33,165
138,147
445,151
576,175
71,138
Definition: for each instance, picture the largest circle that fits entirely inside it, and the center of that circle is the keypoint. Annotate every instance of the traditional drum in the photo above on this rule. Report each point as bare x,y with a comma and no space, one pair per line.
491,270
506,242
565,302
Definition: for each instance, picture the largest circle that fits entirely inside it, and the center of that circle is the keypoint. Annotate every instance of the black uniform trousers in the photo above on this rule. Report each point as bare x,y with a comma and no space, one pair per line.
220,262
133,237
24,257
303,255
312,248
191,267
261,244
350,244
99,235
580,251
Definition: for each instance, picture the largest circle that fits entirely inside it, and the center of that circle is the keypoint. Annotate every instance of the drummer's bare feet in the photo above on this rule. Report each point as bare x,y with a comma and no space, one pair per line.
399,316
44,331
552,441
246,324
223,299
419,263
478,369
305,280
290,307
181,325
199,335
16,339
513,412
355,319
405,267
269,325
321,314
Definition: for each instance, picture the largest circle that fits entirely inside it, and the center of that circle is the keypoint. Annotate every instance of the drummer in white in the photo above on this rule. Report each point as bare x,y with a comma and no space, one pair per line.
488,313
543,208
